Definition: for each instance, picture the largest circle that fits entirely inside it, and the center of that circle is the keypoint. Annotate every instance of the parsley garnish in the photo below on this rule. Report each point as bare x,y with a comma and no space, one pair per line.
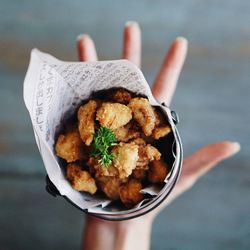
103,139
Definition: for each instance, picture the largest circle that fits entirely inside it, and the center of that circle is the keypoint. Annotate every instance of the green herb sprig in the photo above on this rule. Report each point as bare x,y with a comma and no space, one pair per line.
103,139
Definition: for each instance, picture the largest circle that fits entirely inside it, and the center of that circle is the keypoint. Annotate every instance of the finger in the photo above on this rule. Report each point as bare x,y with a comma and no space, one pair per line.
197,165
166,80
206,158
201,162
132,43
86,48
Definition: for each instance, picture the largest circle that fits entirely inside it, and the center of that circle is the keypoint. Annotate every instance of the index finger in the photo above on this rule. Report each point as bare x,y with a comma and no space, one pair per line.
166,80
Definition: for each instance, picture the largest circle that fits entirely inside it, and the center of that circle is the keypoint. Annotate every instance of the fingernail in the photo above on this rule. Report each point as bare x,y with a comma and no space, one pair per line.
236,147
130,23
82,36
182,39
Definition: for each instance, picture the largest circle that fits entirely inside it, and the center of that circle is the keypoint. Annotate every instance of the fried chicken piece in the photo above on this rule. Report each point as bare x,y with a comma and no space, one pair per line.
143,113
152,153
162,131
139,141
110,186
70,147
86,123
139,174
147,154
157,172
125,158
113,115
130,193
80,179
99,170
127,132
158,117
162,128
121,95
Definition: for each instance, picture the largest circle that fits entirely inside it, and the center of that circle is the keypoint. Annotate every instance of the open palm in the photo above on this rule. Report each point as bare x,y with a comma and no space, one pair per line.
163,89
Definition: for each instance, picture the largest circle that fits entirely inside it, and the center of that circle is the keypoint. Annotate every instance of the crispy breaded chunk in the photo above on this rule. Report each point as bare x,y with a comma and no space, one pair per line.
127,132
158,117
86,124
157,172
110,186
139,174
162,128
143,113
121,95
139,141
100,170
80,180
125,158
162,131
130,193
113,115
70,147
147,154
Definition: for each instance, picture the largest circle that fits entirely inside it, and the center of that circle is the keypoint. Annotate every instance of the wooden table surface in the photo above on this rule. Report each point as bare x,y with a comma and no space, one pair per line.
212,101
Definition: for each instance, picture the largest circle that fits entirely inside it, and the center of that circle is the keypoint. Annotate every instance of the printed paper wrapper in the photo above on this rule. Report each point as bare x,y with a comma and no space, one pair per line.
53,89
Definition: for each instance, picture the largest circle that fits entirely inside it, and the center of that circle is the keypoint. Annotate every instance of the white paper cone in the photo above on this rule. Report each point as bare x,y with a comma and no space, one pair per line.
53,89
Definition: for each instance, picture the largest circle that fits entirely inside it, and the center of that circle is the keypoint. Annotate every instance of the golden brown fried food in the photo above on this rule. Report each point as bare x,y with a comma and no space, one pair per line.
125,158
113,115
127,132
70,147
80,179
139,141
86,123
143,113
99,170
147,154
130,192
157,172
162,128
139,174
121,95
152,153
162,131
134,162
159,119
110,186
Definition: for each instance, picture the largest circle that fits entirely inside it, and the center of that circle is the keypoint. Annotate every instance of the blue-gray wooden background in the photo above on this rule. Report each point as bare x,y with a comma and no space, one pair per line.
212,100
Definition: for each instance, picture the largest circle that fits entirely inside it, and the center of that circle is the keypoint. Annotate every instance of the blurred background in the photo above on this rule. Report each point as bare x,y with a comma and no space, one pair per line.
212,101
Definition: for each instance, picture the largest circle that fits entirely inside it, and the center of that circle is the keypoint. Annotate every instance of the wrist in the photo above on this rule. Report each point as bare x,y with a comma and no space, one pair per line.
129,234
134,234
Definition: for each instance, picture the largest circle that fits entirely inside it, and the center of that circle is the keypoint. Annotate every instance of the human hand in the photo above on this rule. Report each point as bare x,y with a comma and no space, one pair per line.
163,89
